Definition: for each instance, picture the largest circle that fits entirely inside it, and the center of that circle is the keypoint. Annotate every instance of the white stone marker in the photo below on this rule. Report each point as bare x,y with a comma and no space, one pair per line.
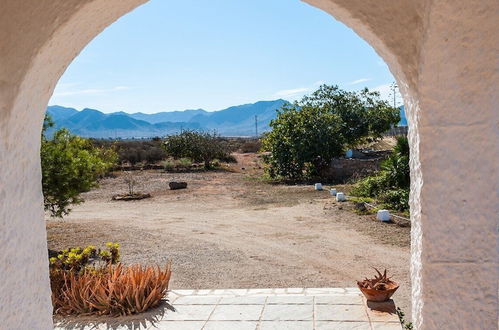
332,192
340,197
318,186
384,215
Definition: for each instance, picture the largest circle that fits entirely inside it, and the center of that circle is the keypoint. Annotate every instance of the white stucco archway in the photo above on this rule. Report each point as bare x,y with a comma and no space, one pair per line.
444,55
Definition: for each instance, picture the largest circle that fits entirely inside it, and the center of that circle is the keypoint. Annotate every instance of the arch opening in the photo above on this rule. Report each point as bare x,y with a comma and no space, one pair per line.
413,54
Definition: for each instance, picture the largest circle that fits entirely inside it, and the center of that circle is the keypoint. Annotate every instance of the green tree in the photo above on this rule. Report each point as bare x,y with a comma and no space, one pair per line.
307,134
198,146
70,165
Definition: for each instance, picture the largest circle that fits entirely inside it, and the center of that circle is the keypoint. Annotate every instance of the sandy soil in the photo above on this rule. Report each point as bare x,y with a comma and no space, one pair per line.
231,230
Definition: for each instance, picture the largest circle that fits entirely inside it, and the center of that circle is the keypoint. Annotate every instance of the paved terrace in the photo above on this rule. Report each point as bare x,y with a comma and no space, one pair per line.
257,309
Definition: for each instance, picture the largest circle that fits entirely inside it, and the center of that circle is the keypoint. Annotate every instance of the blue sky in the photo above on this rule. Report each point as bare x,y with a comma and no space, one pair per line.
173,55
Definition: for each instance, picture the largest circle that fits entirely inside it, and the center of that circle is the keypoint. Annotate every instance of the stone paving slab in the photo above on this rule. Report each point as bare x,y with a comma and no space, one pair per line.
255,309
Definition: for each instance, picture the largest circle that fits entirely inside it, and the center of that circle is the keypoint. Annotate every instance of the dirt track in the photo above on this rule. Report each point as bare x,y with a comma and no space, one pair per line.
228,230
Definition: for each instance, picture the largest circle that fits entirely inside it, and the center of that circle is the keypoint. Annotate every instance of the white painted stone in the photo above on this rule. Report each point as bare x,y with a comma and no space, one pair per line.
444,57
383,215
340,197
318,186
332,192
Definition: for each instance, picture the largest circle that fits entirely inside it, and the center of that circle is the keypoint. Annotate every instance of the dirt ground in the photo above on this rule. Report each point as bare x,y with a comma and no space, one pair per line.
229,229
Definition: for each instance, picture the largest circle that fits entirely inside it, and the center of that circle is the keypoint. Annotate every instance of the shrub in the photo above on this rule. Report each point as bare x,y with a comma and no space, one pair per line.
184,163
198,146
135,151
70,165
369,187
130,181
250,146
397,199
114,290
391,185
169,165
77,259
87,281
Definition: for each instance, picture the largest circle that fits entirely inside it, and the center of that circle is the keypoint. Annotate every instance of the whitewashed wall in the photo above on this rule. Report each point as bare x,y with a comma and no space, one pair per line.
444,55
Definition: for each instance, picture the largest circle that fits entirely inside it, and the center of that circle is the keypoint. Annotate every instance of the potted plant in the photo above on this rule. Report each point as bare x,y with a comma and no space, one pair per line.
379,288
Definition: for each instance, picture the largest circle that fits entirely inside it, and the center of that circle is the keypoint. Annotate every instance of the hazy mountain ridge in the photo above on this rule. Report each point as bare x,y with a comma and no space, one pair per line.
173,116
234,121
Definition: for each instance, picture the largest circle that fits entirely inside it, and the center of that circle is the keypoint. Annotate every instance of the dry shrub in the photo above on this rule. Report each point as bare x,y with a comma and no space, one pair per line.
111,290
250,146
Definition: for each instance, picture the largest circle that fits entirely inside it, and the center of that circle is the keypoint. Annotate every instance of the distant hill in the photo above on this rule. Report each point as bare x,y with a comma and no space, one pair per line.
59,113
93,123
233,121
173,116
240,120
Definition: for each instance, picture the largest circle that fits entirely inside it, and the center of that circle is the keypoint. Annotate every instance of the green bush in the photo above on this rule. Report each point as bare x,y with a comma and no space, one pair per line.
369,187
184,163
392,184
397,199
70,165
78,259
396,168
169,165
197,146
306,135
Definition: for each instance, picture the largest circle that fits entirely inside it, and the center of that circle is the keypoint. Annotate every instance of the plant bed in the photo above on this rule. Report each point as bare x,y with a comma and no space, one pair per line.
128,197
90,281
380,288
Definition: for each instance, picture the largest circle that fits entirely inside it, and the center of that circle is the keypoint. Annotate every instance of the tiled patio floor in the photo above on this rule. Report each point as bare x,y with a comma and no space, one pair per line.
257,309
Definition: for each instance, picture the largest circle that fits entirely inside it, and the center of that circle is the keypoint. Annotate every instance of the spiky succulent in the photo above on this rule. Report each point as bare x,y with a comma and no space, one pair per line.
379,282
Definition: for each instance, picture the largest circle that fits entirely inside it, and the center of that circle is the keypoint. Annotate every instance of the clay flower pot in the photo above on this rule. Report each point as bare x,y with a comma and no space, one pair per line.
379,288
379,295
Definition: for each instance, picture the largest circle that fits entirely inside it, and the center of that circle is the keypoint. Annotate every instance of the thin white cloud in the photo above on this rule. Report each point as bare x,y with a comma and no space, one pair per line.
292,92
358,81
88,91
296,93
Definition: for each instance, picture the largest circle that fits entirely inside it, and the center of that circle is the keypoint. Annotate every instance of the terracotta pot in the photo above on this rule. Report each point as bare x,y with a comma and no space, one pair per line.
379,295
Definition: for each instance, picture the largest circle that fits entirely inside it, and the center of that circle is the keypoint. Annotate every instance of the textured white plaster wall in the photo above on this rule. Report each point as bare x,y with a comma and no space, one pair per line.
445,57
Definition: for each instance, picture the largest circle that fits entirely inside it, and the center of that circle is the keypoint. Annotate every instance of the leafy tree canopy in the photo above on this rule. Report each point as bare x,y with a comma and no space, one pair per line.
307,134
70,165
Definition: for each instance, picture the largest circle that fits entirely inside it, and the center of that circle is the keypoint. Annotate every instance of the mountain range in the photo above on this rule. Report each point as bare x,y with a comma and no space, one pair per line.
233,121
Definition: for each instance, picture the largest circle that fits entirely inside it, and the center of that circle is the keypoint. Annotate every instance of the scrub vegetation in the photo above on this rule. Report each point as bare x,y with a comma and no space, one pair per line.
391,185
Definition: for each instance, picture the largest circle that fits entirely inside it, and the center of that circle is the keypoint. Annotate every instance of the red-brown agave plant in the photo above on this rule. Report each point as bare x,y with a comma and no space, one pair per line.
112,290
379,288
